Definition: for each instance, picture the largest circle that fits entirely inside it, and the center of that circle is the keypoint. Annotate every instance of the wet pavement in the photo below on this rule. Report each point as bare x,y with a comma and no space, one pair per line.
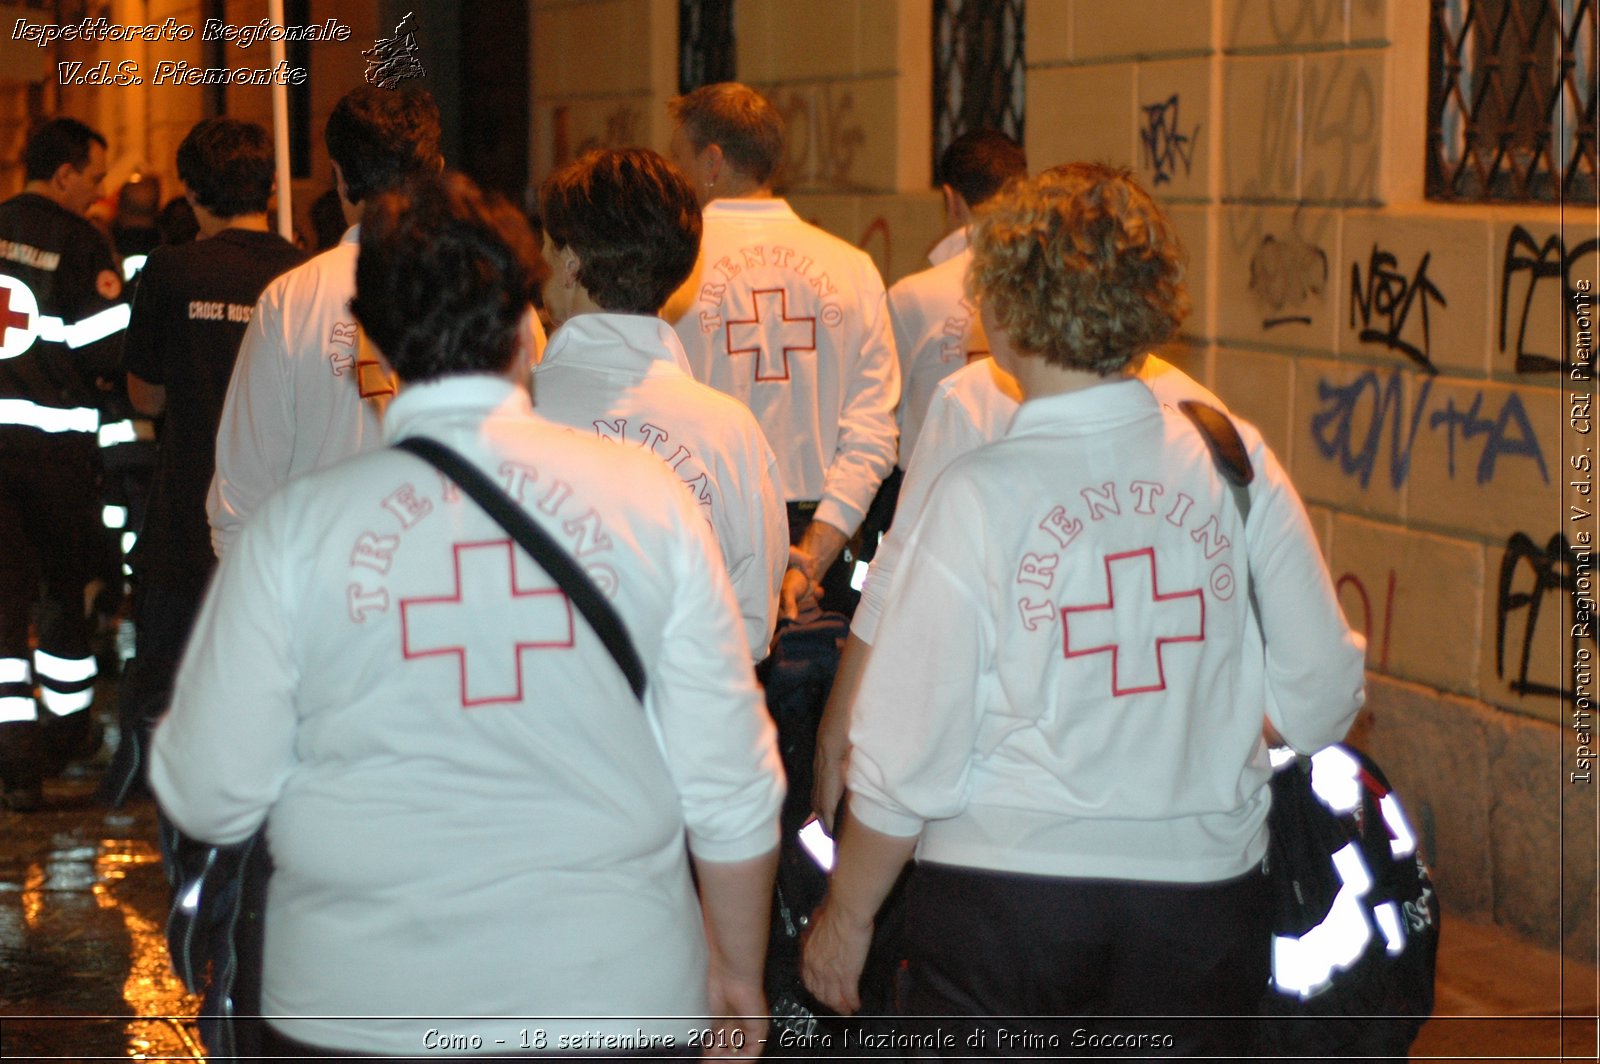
84,973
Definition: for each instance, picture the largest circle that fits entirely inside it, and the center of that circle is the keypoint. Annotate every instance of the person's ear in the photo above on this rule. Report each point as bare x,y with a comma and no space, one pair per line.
956,211
62,178
570,267
712,164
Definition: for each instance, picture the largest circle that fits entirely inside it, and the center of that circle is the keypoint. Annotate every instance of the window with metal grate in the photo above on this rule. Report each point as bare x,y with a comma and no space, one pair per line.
1511,100
705,43
978,74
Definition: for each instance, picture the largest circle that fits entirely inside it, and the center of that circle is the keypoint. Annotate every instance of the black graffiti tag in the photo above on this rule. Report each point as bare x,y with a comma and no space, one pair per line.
1540,262
1556,568
1164,144
1390,296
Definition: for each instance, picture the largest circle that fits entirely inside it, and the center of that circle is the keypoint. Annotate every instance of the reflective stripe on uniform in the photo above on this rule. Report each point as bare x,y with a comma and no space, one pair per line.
86,330
65,703
14,670
17,707
48,418
63,670
117,432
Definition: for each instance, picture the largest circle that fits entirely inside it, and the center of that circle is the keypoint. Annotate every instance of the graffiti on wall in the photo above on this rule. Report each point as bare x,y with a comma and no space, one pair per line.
1164,146
1533,273
823,137
1541,589
622,127
1391,308
1350,426
1341,123
1376,619
1287,277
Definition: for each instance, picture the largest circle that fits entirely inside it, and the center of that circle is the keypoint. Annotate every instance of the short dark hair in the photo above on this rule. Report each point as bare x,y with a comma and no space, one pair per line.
176,222
739,120
978,163
632,218
382,137
444,277
327,219
228,165
60,140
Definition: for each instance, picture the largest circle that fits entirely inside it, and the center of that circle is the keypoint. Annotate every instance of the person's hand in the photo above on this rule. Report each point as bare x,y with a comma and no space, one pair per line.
738,1015
832,954
800,592
797,595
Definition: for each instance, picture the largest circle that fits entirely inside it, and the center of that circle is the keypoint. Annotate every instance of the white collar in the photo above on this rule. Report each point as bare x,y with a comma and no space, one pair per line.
638,342
952,245
464,393
736,208
1085,411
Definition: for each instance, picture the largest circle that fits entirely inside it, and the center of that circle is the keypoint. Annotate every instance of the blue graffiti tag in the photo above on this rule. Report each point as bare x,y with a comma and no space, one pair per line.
1337,437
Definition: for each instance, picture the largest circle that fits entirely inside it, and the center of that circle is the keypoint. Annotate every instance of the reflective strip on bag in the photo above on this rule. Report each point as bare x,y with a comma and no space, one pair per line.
1308,964
64,670
48,418
1402,843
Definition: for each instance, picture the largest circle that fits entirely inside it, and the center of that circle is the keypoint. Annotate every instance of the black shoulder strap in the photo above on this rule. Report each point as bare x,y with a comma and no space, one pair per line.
1233,462
544,550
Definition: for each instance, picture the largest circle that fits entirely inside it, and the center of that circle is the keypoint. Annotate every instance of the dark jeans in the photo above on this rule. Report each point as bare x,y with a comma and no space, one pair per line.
1107,967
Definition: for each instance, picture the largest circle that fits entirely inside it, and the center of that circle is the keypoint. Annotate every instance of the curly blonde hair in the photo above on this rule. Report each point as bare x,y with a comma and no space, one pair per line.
1080,267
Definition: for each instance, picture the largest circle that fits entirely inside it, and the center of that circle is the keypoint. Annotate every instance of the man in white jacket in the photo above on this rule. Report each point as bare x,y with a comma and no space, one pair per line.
307,389
470,813
621,231
791,321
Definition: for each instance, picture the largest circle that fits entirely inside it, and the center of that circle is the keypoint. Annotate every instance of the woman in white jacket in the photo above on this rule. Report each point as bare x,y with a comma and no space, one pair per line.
1082,778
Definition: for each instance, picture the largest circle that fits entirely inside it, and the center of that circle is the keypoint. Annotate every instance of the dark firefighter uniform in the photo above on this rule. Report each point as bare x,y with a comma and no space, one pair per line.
61,318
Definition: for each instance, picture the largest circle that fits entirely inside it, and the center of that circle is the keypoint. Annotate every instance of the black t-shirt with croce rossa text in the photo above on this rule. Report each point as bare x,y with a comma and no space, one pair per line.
189,315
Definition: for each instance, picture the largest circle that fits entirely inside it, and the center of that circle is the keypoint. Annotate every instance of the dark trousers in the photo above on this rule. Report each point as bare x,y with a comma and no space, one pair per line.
52,544
1101,966
164,609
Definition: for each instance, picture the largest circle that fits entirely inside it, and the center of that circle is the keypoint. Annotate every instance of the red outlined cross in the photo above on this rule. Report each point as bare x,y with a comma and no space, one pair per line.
19,312
1134,623
794,334
488,609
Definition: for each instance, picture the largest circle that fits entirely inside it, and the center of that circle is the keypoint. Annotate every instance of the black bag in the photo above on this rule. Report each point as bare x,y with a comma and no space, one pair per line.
215,931
1356,918
798,676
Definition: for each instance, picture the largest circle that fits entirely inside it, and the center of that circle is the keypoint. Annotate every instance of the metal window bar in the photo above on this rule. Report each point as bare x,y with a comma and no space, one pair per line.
979,78
1511,108
705,43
